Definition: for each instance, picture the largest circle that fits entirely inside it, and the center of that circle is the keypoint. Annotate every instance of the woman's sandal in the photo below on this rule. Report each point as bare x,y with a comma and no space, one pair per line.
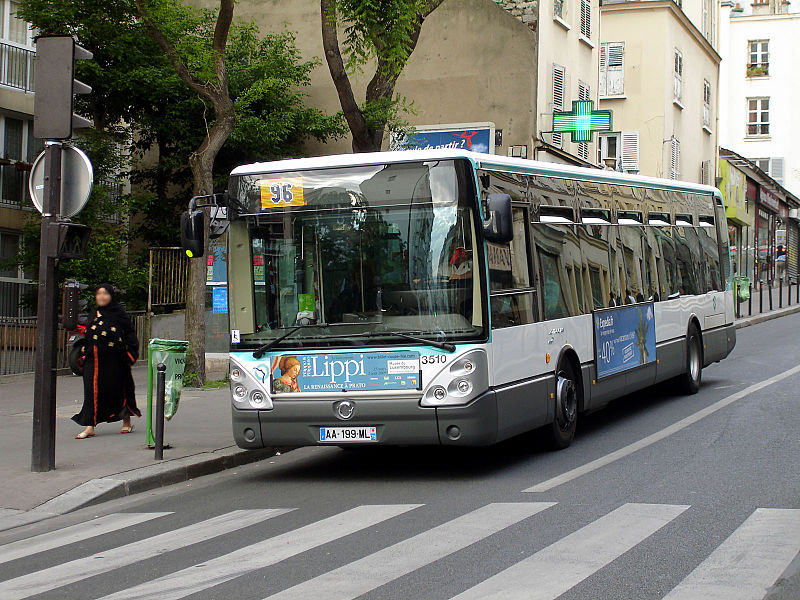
127,429
83,435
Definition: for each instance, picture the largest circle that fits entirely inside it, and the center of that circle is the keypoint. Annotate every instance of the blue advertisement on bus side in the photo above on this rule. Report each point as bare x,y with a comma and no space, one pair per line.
624,338
347,371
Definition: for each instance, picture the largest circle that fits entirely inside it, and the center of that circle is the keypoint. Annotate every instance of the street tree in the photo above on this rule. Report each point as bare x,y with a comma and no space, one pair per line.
380,33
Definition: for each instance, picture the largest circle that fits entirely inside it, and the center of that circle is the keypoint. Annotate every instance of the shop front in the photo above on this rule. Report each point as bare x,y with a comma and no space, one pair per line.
739,213
767,212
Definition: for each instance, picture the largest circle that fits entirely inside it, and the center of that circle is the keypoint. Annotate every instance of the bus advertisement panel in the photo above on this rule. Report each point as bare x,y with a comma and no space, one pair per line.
624,338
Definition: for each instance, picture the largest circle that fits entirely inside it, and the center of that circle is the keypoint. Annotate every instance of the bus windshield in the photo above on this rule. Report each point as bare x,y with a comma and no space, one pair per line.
362,252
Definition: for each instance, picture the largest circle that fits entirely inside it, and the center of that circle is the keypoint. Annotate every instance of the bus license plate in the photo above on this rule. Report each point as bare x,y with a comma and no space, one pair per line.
348,434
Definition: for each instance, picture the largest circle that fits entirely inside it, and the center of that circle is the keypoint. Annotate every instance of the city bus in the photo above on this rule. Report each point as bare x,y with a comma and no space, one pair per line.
455,298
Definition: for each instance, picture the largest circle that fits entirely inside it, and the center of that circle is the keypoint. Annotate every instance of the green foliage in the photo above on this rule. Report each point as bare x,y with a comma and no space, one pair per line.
148,122
379,29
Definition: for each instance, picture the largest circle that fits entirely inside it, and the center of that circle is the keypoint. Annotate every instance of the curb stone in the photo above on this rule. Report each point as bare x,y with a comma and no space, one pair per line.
136,481
775,314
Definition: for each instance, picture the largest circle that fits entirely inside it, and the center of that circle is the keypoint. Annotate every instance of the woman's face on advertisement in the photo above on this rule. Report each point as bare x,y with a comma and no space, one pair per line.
294,372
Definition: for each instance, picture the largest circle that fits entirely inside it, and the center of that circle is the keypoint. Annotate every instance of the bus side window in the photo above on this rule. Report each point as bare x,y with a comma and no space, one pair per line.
512,296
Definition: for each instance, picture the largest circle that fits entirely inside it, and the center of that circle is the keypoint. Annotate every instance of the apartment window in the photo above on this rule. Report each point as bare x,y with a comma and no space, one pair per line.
13,29
583,94
558,8
12,139
707,19
674,159
771,166
622,148
612,69
757,116
9,248
758,58
586,18
678,75
34,144
706,104
608,149
558,99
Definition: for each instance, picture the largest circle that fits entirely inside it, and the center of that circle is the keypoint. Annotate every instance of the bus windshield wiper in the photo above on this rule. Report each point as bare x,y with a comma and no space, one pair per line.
259,352
436,344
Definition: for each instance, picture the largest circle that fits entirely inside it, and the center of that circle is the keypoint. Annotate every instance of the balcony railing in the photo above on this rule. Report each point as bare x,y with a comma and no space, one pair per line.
16,66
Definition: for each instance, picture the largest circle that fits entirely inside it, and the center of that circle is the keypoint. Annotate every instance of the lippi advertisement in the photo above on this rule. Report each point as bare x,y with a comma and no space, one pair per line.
357,371
624,338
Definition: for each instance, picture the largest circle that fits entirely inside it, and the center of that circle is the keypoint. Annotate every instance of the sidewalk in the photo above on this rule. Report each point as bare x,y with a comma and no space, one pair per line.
761,298
110,464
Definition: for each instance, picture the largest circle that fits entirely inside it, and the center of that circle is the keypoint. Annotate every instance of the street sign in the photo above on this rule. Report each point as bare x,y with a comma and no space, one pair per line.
582,121
77,177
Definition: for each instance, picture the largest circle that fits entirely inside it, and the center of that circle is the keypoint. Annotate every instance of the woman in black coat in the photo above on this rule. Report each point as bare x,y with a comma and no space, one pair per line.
112,347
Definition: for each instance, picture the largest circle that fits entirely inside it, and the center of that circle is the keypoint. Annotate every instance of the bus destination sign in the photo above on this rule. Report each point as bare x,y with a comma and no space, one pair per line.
624,338
357,371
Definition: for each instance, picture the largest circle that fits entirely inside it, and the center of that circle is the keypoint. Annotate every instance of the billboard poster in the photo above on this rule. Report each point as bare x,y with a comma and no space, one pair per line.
219,300
624,338
357,371
479,138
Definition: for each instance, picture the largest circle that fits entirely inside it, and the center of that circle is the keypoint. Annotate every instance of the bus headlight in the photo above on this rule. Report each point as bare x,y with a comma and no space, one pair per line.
461,382
247,391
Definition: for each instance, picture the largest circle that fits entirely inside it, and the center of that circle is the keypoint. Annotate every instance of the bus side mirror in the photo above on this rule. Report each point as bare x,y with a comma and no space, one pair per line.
498,225
193,224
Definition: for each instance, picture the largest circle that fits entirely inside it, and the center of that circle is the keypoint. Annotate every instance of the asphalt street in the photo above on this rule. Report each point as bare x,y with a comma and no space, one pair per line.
707,509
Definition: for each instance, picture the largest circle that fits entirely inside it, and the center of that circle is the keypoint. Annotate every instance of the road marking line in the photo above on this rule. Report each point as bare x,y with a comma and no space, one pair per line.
555,569
121,556
262,554
73,533
749,562
359,577
658,435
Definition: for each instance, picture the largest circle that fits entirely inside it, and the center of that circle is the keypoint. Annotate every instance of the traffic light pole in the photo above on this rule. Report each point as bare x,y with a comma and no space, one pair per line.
43,451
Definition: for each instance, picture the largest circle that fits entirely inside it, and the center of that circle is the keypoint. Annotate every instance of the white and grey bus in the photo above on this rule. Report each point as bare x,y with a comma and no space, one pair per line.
448,297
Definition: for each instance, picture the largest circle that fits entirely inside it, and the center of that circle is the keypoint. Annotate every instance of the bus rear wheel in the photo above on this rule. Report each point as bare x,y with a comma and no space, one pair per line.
689,381
562,430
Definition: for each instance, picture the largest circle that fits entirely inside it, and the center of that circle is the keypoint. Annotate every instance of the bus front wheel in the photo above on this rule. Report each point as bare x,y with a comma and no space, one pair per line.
562,429
689,381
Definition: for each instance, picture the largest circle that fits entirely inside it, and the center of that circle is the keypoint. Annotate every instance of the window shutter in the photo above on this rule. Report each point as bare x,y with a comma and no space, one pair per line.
586,18
705,172
675,159
558,99
630,150
603,68
776,169
616,69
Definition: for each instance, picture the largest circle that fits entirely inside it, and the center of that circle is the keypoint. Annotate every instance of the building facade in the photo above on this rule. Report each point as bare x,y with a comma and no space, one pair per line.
18,149
762,220
502,64
760,80
659,73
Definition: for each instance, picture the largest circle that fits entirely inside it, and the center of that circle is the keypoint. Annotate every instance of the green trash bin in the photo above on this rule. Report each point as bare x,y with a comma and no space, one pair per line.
742,285
173,354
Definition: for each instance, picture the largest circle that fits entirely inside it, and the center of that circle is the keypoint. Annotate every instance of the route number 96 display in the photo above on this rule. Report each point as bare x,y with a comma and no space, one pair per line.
281,192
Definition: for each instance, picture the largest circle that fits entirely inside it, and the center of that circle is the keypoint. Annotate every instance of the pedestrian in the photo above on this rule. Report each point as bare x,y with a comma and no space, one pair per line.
780,262
629,299
112,347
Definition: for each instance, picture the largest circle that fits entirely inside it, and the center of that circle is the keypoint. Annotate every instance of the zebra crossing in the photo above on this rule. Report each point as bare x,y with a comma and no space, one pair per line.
743,566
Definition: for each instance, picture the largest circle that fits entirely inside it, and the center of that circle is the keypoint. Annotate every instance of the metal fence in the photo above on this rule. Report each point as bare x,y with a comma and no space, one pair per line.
16,66
18,343
168,277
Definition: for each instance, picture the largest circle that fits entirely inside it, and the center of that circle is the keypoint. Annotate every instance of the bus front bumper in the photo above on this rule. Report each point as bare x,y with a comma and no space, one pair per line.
398,422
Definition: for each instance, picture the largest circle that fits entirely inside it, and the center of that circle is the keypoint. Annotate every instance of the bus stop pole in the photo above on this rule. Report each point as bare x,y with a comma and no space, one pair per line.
160,399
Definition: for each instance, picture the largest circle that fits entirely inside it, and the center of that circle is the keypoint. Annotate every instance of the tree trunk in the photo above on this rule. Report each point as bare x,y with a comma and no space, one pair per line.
202,165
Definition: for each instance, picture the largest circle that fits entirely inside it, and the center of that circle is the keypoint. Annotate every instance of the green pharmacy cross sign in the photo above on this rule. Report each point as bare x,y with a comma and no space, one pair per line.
582,121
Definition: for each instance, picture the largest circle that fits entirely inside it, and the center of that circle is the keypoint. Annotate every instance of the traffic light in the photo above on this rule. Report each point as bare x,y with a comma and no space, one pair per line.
55,87
70,239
